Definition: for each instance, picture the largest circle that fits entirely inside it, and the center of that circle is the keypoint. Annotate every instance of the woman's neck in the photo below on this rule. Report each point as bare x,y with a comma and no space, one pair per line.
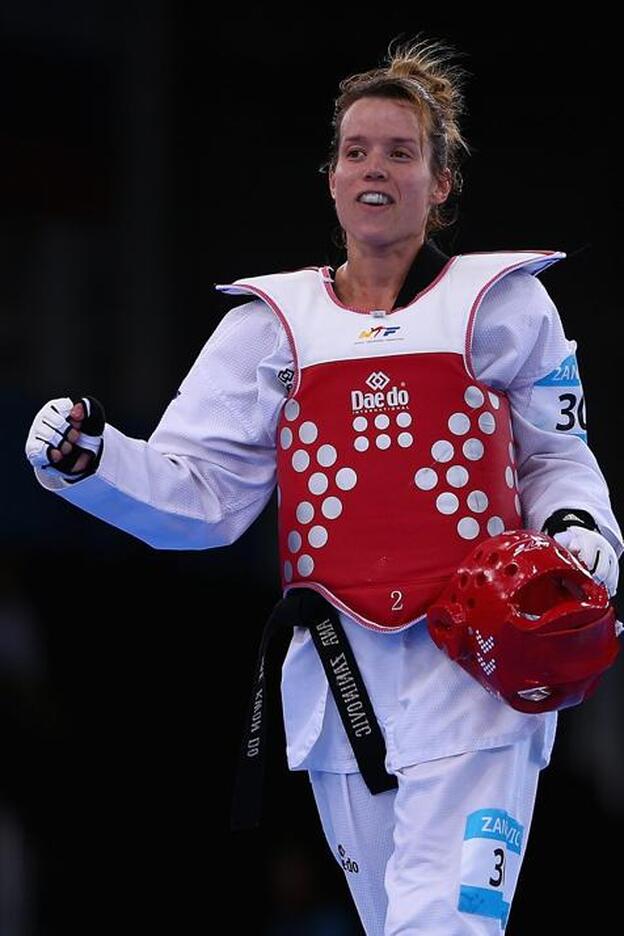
367,284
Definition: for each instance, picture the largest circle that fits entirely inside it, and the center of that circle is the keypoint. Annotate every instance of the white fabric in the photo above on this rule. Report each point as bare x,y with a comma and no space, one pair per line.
440,855
208,470
48,428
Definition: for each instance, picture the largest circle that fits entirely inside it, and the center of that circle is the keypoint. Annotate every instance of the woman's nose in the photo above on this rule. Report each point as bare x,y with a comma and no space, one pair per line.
375,170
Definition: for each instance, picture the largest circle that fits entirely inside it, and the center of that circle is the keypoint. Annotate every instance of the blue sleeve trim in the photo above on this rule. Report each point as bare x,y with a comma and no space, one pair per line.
565,375
484,902
495,824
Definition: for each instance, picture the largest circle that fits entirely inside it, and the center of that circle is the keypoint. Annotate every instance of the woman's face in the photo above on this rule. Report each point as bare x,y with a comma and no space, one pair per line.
380,152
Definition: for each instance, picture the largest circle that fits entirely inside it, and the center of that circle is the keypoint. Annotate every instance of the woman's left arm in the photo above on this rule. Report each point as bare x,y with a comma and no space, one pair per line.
519,346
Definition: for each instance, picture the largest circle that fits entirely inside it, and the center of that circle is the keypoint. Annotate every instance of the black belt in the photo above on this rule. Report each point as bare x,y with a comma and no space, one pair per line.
307,608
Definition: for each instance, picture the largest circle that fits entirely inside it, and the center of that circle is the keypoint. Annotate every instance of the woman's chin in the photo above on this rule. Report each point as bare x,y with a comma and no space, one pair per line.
376,235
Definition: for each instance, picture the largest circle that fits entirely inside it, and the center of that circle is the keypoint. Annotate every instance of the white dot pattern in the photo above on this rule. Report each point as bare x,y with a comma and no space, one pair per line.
346,479
326,455
457,476
495,526
425,479
486,645
447,503
474,397
459,424
308,431
488,666
331,507
478,501
473,449
487,423
318,483
300,460
468,528
291,410
305,565
317,536
442,451
305,512
294,541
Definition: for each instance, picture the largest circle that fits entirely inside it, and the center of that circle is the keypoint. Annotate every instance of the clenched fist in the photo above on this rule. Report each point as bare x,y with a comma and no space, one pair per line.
66,436
595,552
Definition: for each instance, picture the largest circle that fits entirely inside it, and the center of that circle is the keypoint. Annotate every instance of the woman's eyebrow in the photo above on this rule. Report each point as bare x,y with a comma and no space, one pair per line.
395,139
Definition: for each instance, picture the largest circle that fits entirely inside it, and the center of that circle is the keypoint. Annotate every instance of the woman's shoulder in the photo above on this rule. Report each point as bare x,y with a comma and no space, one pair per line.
518,295
248,339
250,318
520,282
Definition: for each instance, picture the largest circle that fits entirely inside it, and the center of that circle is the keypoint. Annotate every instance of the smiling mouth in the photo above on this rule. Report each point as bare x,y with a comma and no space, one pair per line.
374,207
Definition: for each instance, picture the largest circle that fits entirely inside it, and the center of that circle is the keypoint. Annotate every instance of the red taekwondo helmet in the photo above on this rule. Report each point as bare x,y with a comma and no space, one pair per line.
525,617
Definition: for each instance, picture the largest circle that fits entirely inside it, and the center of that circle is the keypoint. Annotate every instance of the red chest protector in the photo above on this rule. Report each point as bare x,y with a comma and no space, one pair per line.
393,460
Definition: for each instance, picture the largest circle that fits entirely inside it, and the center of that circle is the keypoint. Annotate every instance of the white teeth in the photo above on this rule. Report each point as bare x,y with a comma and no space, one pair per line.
374,198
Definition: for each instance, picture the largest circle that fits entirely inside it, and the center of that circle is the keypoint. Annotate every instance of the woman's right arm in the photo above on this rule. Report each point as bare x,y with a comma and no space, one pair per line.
209,468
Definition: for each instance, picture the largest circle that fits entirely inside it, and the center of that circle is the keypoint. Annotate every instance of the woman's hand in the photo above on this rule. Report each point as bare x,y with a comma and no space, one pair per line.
66,436
595,552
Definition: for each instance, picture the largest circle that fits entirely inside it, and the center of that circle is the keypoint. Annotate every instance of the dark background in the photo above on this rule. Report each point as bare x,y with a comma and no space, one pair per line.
148,151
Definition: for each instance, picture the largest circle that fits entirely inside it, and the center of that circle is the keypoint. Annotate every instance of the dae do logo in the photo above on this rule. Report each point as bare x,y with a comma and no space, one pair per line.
379,396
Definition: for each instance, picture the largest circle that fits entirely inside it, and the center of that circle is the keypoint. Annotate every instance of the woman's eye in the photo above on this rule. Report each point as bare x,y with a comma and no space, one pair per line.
359,150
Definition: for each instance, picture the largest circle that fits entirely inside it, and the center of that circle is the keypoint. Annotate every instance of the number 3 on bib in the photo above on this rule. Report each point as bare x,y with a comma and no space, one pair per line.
490,863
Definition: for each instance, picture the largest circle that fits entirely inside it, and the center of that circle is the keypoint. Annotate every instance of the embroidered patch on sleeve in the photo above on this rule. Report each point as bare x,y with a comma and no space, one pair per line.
557,401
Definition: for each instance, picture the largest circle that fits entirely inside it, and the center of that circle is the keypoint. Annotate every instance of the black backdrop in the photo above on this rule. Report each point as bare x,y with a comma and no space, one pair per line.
147,152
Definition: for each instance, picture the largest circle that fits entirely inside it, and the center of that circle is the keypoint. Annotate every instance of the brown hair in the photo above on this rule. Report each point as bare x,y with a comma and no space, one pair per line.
416,71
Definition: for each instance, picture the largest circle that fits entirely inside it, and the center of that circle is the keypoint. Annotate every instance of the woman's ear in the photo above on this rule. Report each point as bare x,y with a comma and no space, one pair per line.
442,187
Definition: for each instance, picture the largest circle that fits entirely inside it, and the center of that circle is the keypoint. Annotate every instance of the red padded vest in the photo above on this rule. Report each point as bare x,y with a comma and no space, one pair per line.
393,460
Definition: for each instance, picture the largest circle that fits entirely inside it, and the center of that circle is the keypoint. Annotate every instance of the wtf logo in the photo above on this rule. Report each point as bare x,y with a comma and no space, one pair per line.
378,331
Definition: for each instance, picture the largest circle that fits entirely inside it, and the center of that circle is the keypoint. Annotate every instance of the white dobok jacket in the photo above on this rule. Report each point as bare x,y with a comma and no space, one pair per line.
209,468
